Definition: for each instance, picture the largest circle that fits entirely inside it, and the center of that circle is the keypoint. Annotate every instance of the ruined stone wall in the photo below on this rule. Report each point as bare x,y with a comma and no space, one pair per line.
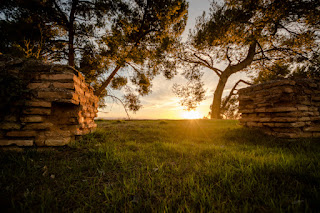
284,108
58,105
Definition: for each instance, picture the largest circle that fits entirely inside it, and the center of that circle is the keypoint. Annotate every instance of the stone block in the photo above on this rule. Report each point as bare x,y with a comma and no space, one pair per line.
16,142
288,90
305,135
315,118
21,134
303,108
246,111
313,109
298,124
39,103
79,90
41,85
282,124
10,126
304,119
315,98
49,95
37,111
254,124
38,126
264,119
63,85
55,133
307,91
316,134
40,139
284,119
73,121
65,76
315,128
58,141
245,98
32,119
263,109
287,135
282,109
68,101
94,125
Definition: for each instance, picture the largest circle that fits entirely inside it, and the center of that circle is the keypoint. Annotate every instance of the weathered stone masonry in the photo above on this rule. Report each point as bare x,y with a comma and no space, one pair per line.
285,108
59,105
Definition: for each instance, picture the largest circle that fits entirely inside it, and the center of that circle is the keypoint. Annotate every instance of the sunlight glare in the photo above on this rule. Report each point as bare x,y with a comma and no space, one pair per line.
191,115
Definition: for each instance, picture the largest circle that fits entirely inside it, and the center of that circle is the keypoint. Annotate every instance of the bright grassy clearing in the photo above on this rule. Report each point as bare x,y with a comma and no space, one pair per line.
170,166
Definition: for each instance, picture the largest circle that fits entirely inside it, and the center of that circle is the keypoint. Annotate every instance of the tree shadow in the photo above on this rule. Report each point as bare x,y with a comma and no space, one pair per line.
255,137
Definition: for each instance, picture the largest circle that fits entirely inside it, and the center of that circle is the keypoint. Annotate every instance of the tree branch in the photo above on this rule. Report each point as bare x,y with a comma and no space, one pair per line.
61,13
107,82
205,63
231,92
87,2
227,54
247,61
124,106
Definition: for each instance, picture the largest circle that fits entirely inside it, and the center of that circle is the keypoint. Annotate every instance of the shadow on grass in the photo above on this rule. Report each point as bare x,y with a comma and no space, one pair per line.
255,137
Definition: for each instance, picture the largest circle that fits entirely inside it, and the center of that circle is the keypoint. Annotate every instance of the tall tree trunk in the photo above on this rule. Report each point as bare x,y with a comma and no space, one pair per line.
216,103
71,48
107,82
71,57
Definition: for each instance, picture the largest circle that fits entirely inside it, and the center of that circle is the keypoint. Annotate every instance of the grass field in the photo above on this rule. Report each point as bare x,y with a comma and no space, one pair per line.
165,166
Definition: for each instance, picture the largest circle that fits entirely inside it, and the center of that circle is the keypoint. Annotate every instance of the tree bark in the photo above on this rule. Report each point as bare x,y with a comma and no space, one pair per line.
71,57
107,82
231,69
216,103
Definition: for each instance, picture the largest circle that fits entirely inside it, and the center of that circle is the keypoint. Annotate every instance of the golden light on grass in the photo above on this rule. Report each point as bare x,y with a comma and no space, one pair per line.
191,115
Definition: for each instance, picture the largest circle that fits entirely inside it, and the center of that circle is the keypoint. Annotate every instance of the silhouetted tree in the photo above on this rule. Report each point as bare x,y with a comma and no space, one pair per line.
105,36
75,23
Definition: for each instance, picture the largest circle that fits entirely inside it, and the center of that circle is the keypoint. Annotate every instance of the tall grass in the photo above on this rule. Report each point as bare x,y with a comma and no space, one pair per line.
165,166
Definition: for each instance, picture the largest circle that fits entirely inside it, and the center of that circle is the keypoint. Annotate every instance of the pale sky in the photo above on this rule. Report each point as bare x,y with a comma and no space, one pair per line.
162,102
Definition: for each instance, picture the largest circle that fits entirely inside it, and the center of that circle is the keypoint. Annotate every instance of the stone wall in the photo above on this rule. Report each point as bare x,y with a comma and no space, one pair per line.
57,107
284,108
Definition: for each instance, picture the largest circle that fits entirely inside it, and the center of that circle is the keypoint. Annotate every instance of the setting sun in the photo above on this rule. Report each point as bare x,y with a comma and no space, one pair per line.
191,115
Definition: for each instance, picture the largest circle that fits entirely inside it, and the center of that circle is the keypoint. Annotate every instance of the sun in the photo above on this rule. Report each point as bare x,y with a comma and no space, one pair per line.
191,115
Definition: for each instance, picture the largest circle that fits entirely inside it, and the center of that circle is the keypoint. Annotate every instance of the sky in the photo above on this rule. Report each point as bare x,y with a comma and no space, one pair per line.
162,103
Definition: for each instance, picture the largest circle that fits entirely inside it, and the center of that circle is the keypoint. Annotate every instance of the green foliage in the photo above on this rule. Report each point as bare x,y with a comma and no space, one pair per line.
132,102
144,33
275,72
141,40
230,111
190,95
145,166
118,82
92,64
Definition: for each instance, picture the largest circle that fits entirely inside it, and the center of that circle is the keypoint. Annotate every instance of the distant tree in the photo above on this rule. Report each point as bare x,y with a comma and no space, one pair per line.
250,35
